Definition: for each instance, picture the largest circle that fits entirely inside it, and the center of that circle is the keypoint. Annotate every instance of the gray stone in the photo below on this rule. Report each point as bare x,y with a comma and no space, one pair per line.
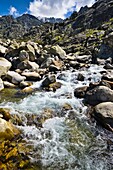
5,65
103,112
14,77
57,50
23,56
31,76
99,94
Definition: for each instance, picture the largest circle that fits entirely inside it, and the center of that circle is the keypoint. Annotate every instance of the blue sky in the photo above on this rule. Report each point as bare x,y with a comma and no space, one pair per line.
42,8
20,5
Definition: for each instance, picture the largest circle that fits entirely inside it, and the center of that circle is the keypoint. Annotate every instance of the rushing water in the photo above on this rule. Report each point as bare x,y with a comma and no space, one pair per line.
65,141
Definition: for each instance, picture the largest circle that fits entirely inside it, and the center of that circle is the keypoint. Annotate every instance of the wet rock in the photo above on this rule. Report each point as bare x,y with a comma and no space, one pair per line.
103,113
46,114
23,55
5,113
55,86
67,106
5,65
15,77
24,84
28,90
74,64
48,80
80,77
1,84
80,92
13,154
108,66
31,76
7,130
99,94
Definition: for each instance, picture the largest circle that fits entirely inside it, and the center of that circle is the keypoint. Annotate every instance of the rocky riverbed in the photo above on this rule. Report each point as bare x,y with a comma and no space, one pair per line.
62,119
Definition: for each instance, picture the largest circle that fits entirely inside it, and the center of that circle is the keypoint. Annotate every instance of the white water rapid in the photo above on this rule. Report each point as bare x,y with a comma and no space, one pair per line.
65,141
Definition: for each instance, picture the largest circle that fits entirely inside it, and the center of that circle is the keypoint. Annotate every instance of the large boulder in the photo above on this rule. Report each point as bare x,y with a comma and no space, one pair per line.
31,76
7,130
103,113
3,49
99,94
5,65
14,77
57,50
31,52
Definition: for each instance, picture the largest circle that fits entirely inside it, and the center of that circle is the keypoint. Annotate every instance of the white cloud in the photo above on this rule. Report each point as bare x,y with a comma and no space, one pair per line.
13,11
56,8
80,3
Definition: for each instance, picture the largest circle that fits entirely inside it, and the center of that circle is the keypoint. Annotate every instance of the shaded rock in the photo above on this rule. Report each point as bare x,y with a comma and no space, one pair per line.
32,66
48,80
31,76
31,52
108,66
24,84
15,77
1,84
54,68
84,58
8,84
108,76
47,62
5,65
80,92
110,83
7,130
80,77
99,94
5,113
23,55
103,113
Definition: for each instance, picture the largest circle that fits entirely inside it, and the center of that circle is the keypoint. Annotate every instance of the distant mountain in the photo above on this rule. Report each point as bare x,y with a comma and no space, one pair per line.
28,20
51,20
